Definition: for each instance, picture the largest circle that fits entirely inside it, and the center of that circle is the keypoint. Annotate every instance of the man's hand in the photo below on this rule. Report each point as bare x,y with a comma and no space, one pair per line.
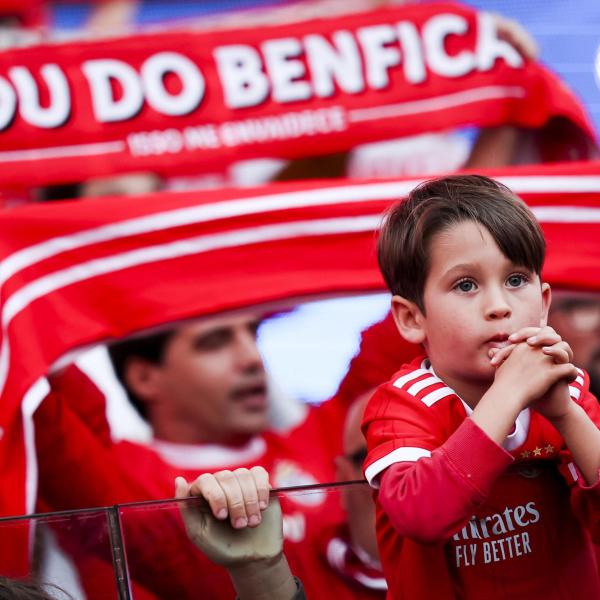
235,526
553,401
516,35
224,523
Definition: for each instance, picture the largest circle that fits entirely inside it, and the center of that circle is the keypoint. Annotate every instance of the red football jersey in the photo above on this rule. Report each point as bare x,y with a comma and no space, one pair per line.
459,516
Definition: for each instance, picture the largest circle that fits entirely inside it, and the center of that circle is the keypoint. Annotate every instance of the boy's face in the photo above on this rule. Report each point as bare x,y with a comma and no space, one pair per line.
474,298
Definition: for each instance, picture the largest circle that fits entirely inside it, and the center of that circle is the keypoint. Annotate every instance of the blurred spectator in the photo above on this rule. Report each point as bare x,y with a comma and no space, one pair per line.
129,184
576,317
203,389
22,22
351,548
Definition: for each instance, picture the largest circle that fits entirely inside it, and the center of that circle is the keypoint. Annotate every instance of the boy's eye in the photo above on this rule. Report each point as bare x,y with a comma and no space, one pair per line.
466,285
516,280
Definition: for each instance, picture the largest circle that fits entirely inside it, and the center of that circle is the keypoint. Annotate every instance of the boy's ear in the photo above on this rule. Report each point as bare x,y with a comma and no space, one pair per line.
409,320
546,300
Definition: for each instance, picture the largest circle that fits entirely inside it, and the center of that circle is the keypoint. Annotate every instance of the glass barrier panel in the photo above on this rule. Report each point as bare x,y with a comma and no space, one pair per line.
164,563
73,554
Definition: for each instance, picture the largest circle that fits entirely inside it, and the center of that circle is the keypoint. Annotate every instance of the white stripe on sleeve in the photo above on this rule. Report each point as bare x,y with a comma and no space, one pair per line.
415,388
401,381
405,454
436,395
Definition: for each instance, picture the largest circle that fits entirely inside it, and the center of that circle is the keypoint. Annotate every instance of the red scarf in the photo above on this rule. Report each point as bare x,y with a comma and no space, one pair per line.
77,273
181,101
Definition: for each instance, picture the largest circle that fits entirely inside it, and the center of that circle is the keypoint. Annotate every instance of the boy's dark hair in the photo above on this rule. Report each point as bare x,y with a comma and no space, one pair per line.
150,348
11,589
435,205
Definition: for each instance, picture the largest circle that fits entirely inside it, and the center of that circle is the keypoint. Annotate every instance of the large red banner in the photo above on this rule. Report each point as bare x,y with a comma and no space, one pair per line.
77,273
189,101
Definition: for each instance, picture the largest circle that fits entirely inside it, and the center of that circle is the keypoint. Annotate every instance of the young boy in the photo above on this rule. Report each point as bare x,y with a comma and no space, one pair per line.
484,453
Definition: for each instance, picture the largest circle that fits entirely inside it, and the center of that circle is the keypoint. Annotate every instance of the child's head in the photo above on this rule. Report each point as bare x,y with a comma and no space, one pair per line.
437,204
462,257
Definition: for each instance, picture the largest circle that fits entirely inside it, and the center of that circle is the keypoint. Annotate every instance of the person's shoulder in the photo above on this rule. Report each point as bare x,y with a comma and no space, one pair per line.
414,384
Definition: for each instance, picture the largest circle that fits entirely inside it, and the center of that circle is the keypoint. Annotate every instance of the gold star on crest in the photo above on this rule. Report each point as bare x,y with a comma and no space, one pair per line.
525,454
549,449
537,451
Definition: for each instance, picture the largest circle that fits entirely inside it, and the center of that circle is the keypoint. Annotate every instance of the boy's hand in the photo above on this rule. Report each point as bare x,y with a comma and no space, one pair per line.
554,402
545,338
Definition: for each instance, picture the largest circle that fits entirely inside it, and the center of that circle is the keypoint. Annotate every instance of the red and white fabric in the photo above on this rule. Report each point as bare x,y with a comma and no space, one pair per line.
186,101
76,273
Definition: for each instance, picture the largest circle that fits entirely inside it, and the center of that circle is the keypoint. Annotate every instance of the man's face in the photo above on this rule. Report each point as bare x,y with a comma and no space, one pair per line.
474,298
211,383
357,501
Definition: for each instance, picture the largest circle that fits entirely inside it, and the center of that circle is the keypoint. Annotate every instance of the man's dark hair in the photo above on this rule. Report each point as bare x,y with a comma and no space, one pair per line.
11,589
435,205
150,348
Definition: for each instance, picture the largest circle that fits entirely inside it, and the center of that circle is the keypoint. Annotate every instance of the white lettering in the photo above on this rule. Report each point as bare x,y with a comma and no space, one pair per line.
379,58
519,513
487,556
338,64
59,109
435,32
201,136
490,47
530,506
507,516
459,550
284,72
526,544
159,98
509,547
240,71
8,103
498,527
169,141
290,125
415,70
100,73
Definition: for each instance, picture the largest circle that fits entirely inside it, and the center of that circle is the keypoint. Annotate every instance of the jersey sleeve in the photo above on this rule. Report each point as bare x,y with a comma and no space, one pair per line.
585,498
404,421
431,464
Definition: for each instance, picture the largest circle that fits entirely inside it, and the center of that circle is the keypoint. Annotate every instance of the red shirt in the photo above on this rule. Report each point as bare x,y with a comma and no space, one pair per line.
360,577
459,516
